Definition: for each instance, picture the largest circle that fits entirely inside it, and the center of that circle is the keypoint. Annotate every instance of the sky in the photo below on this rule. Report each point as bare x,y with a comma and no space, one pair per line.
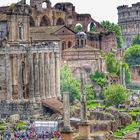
99,9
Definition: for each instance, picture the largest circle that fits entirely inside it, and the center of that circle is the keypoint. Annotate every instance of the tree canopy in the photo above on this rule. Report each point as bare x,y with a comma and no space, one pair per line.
115,95
68,83
132,55
112,27
136,40
113,67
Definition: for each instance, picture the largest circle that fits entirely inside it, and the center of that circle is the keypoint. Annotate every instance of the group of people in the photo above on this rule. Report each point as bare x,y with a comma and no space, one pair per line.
29,133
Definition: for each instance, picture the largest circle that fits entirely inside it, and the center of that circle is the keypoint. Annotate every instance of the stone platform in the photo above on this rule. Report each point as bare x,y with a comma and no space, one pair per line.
25,108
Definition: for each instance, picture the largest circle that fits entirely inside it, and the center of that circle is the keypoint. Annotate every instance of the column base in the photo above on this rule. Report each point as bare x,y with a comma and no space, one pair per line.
67,133
84,130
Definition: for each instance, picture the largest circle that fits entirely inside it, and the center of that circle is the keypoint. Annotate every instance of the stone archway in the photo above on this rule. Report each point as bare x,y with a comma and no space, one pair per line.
60,21
45,21
91,27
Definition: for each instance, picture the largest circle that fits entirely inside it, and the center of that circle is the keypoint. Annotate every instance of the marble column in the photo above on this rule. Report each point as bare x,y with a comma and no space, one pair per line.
31,78
83,99
52,73
67,133
19,78
47,75
57,71
36,80
42,78
8,77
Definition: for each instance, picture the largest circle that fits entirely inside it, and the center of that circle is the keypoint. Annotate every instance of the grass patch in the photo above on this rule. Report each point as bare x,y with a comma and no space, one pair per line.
120,133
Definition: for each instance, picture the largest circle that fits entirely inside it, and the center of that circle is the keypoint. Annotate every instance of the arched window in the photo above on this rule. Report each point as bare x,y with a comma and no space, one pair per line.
63,45
45,21
69,44
60,21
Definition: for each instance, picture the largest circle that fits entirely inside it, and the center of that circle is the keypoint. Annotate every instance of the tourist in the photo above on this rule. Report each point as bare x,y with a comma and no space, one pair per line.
7,135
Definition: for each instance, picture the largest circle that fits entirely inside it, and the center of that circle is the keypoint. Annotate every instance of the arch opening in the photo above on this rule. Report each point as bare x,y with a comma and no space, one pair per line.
45,21
91,27
78,27
60,21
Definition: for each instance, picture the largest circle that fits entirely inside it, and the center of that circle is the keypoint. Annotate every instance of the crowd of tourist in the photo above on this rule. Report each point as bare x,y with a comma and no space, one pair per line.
29,133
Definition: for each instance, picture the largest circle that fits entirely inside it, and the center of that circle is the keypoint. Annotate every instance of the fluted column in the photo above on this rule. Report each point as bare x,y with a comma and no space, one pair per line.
8,77
36,81
19,78
31,78
57,71
52,73
42,78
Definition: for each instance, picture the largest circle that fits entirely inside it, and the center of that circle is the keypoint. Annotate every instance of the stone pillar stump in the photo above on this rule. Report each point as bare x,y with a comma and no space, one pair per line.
84,130
67,134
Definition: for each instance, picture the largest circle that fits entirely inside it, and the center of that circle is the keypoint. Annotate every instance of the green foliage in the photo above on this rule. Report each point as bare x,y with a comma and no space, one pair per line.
112,27
98,78
113,67
89,93
92,27
112,64
68,83
120,133
78,28
136,40
127,73
132,55
20,125
115,95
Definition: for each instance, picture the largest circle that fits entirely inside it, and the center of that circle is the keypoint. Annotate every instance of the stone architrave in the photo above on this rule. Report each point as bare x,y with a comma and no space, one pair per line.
31,78
8,77
57,71
19,78
36,82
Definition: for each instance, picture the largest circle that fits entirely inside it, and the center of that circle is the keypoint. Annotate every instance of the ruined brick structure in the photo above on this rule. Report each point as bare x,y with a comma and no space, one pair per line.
129,20
135,70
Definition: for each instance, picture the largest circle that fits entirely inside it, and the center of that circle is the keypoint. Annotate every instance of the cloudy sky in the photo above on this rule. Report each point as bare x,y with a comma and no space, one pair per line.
99,9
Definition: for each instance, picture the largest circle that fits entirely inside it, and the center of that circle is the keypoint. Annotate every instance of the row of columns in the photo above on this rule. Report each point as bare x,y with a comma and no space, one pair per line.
42,75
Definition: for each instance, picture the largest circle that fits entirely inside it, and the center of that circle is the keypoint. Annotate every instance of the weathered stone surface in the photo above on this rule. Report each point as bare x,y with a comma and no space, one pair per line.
14,118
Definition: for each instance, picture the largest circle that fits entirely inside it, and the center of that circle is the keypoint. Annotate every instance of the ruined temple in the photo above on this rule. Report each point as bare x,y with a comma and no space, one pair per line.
129,20
29,74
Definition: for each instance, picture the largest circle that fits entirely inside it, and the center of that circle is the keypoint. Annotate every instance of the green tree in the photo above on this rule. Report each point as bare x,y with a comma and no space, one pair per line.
132,55
78,28
112,64
136,40
68,83
98,78
115,95
112,27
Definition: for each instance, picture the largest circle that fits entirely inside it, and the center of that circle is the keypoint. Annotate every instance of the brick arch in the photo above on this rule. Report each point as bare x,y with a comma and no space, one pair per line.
60,21
45,21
